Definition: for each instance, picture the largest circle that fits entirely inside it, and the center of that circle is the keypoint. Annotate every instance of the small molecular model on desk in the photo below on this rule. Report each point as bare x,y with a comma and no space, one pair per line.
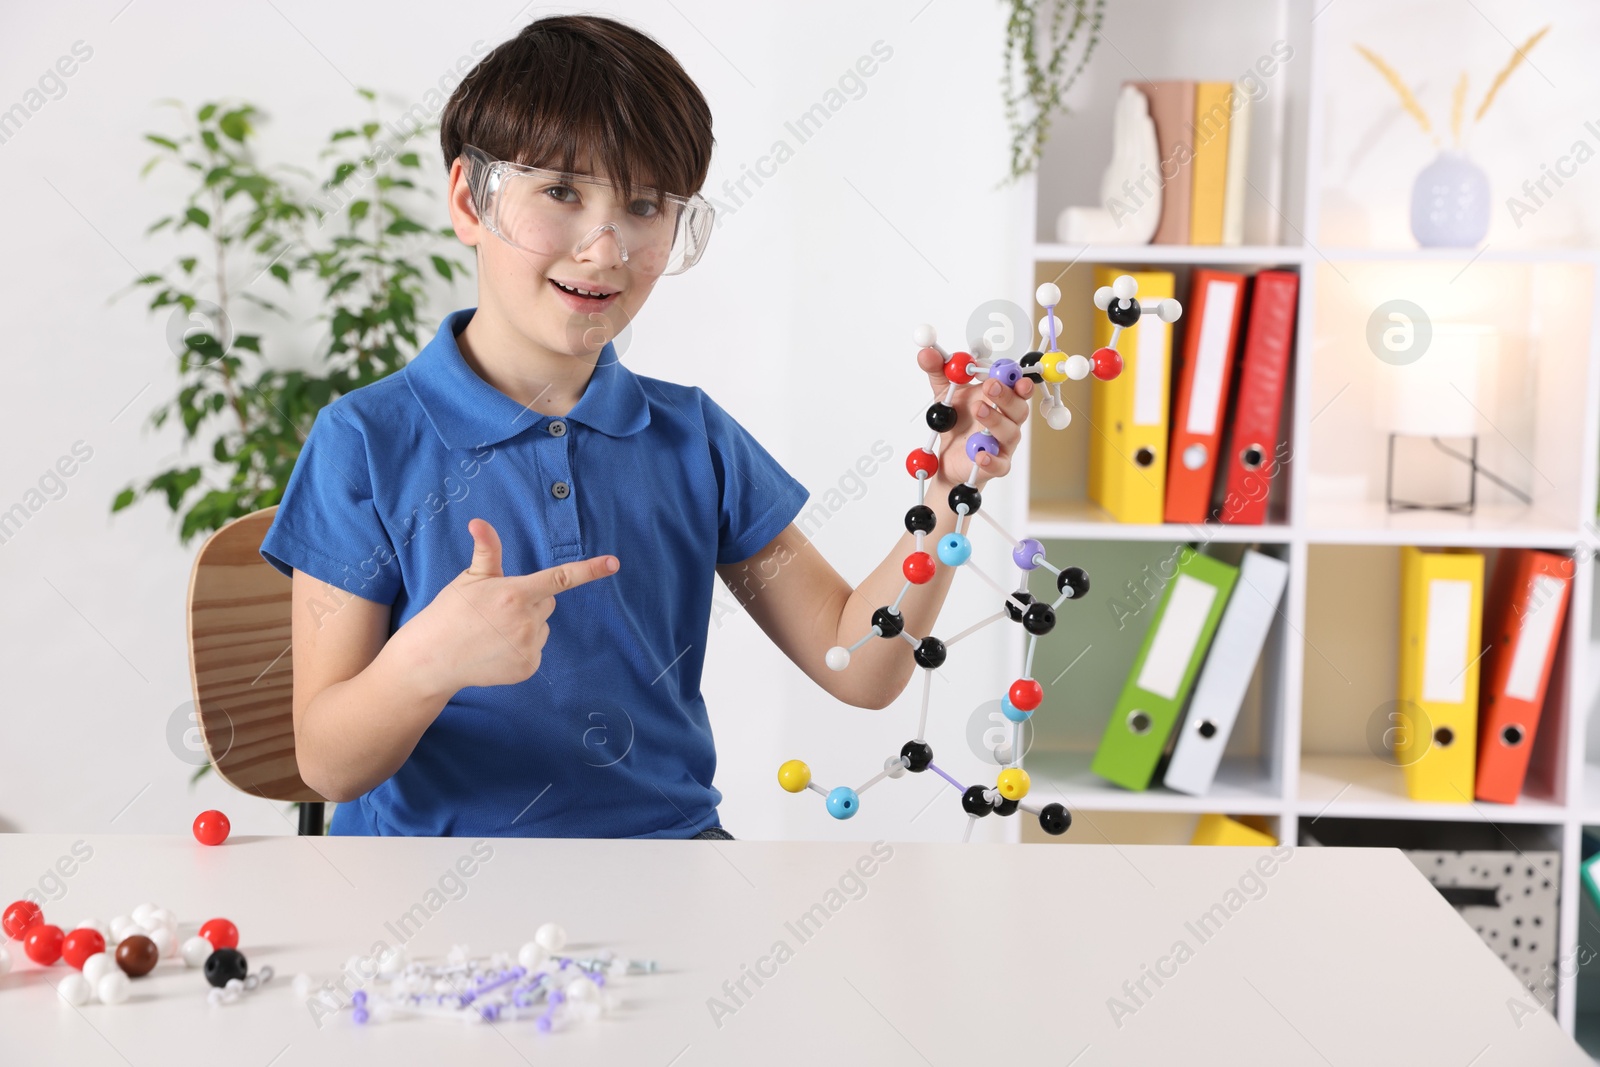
1048,368
542,983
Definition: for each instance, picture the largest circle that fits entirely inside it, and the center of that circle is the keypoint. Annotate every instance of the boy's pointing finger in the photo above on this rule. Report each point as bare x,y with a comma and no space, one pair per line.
571,575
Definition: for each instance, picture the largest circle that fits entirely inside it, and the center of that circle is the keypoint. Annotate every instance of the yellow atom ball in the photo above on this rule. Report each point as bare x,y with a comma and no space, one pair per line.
1049,369
1013,783
794,775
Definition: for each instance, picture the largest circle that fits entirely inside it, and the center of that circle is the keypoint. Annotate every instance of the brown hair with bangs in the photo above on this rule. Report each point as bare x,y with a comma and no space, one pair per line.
573,83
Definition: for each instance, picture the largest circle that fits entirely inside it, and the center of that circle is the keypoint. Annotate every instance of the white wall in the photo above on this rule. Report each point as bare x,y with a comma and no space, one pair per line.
798,321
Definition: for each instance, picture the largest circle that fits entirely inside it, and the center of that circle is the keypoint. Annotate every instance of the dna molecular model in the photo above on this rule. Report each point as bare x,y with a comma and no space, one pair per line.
1048,369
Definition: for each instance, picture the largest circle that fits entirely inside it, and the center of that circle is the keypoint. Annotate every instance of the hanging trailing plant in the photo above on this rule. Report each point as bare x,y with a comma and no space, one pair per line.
1042,81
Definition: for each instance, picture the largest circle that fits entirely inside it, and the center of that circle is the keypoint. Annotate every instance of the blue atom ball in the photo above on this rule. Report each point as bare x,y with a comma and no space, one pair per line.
1012,712
843,802
954,549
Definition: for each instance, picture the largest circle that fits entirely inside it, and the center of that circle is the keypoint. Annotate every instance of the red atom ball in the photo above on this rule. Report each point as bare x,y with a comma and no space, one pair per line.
221,933
958,368
19,917
211,828
1107,363
1026,694
80,944
43,943
918,567
923,461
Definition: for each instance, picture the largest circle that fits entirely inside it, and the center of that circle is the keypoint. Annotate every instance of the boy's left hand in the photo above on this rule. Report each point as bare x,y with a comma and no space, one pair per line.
973,402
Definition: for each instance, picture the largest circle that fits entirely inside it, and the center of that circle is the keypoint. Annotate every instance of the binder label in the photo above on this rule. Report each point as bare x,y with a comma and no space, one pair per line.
1444,657
1187,610
1205,402
1533,645
1150,376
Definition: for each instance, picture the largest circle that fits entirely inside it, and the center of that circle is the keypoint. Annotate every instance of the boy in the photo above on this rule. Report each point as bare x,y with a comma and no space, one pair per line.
434,700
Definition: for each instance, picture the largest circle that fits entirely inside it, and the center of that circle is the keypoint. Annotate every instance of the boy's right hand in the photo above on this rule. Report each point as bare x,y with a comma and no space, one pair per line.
489,628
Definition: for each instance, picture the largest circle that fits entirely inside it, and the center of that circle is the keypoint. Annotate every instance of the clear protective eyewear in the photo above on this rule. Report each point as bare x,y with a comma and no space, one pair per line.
548,213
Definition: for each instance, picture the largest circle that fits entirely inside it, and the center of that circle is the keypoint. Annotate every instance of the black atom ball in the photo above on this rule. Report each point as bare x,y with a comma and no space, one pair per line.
1030,359
930,653
1074,578
1039,619
920,519
1012,609
224,965
975,803
965,494
1123,313
1055,819
941,417
1006,807
889,623
918,755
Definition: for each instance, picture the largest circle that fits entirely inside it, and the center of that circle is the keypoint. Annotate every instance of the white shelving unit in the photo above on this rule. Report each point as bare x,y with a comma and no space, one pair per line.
1299,753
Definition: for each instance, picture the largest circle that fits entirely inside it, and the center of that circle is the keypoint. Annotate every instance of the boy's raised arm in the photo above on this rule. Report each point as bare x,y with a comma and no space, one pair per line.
807,608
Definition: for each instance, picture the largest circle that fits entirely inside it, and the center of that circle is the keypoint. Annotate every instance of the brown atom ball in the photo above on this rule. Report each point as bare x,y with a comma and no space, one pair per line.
137,955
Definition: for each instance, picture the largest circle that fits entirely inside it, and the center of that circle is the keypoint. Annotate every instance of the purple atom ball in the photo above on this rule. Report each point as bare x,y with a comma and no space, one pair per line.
1023,554
981,442
1006,372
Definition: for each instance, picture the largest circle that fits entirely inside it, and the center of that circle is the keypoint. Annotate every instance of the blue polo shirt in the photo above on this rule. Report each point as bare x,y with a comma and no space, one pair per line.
609,738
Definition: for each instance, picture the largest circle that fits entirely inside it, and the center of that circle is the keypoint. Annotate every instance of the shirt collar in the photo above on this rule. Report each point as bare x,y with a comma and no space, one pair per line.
467,411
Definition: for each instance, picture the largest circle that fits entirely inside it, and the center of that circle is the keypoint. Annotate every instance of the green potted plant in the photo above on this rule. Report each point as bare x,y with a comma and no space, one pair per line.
244,227
356,237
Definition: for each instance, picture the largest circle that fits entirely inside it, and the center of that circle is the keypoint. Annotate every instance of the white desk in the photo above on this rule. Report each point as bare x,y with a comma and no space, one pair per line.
977,954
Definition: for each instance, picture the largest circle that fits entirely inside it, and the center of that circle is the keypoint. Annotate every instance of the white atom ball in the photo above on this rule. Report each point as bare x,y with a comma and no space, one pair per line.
531,955
894,766
98,966
1048,294
1102,297
392,961
92,924
1078,367
74,989
166,940
112,988
838,658
196,950
1169,310
551,937
142,913
924,336
1046,325
1124,288
1058,417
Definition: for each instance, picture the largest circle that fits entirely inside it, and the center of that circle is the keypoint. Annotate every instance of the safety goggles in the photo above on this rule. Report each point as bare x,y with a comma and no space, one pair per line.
547,212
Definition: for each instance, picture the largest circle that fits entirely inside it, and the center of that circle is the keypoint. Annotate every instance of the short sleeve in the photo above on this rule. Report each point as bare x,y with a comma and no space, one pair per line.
328,524
758,497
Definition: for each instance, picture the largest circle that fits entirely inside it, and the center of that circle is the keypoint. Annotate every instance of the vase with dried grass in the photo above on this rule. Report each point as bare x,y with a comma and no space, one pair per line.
1450,197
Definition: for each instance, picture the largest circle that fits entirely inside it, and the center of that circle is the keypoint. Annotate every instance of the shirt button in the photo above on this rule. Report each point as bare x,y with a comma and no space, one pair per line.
558,428
561,490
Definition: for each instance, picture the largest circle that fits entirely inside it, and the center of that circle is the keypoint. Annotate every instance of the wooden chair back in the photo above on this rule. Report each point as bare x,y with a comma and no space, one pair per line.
241,663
